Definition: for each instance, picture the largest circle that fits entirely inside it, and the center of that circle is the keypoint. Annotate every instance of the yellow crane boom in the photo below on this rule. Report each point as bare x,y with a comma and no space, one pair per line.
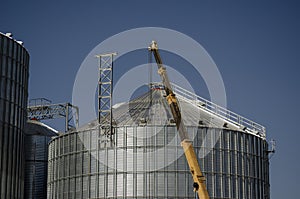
199,179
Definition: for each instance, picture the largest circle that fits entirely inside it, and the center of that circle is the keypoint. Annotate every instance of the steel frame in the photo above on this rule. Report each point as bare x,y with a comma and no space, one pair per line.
105,92
42,109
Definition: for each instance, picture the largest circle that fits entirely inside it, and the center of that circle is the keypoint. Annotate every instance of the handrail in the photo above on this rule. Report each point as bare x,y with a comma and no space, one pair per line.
227,115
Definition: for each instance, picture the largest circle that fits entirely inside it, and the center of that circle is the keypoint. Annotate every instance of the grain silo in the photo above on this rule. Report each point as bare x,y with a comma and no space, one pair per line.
37,137
14,63
144,159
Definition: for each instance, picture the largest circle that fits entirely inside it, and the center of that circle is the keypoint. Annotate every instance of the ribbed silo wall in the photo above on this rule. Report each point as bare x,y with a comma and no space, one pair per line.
139,164
14,63
37,138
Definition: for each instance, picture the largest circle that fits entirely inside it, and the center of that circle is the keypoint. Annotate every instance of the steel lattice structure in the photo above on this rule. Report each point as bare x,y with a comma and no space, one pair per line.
105,88
42,109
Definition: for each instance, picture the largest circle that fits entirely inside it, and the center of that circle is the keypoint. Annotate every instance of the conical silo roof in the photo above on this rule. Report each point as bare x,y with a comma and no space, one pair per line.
33,127
151,108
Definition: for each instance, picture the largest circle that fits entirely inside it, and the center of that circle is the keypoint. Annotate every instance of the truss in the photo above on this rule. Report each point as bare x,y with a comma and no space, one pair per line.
105,86
42,109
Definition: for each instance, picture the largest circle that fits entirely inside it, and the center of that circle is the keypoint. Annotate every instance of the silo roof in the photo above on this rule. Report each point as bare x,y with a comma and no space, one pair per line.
151,108
33,127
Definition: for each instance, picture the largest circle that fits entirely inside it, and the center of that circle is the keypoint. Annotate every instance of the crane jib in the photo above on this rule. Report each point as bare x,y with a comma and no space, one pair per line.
199,179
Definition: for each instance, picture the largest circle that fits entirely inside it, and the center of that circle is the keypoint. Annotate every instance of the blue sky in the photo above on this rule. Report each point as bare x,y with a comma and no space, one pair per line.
254,44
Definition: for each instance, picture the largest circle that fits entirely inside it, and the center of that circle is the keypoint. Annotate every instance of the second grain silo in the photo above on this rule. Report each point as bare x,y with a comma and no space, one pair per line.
143,158
37,137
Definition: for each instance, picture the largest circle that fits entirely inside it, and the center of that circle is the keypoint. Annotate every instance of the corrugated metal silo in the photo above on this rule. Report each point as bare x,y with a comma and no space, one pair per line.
37,137
144,159
14,63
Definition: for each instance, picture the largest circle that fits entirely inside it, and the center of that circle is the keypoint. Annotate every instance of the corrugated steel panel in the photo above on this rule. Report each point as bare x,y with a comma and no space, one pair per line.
14,63
129,171
37,137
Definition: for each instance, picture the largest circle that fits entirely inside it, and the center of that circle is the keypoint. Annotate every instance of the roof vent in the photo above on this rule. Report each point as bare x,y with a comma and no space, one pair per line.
20,42
172,121
9,34
143,121
225,125
201,123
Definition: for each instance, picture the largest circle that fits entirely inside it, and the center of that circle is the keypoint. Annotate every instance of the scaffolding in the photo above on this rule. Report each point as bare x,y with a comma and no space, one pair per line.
43,109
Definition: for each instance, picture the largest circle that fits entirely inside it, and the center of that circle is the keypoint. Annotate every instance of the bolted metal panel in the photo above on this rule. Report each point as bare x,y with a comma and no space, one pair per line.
233,169
37,137
14,63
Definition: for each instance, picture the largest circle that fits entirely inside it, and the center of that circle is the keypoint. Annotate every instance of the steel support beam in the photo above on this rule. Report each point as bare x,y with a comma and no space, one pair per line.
43,109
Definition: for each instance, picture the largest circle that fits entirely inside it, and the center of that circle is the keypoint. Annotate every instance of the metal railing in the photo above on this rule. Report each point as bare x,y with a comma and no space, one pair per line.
227,115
